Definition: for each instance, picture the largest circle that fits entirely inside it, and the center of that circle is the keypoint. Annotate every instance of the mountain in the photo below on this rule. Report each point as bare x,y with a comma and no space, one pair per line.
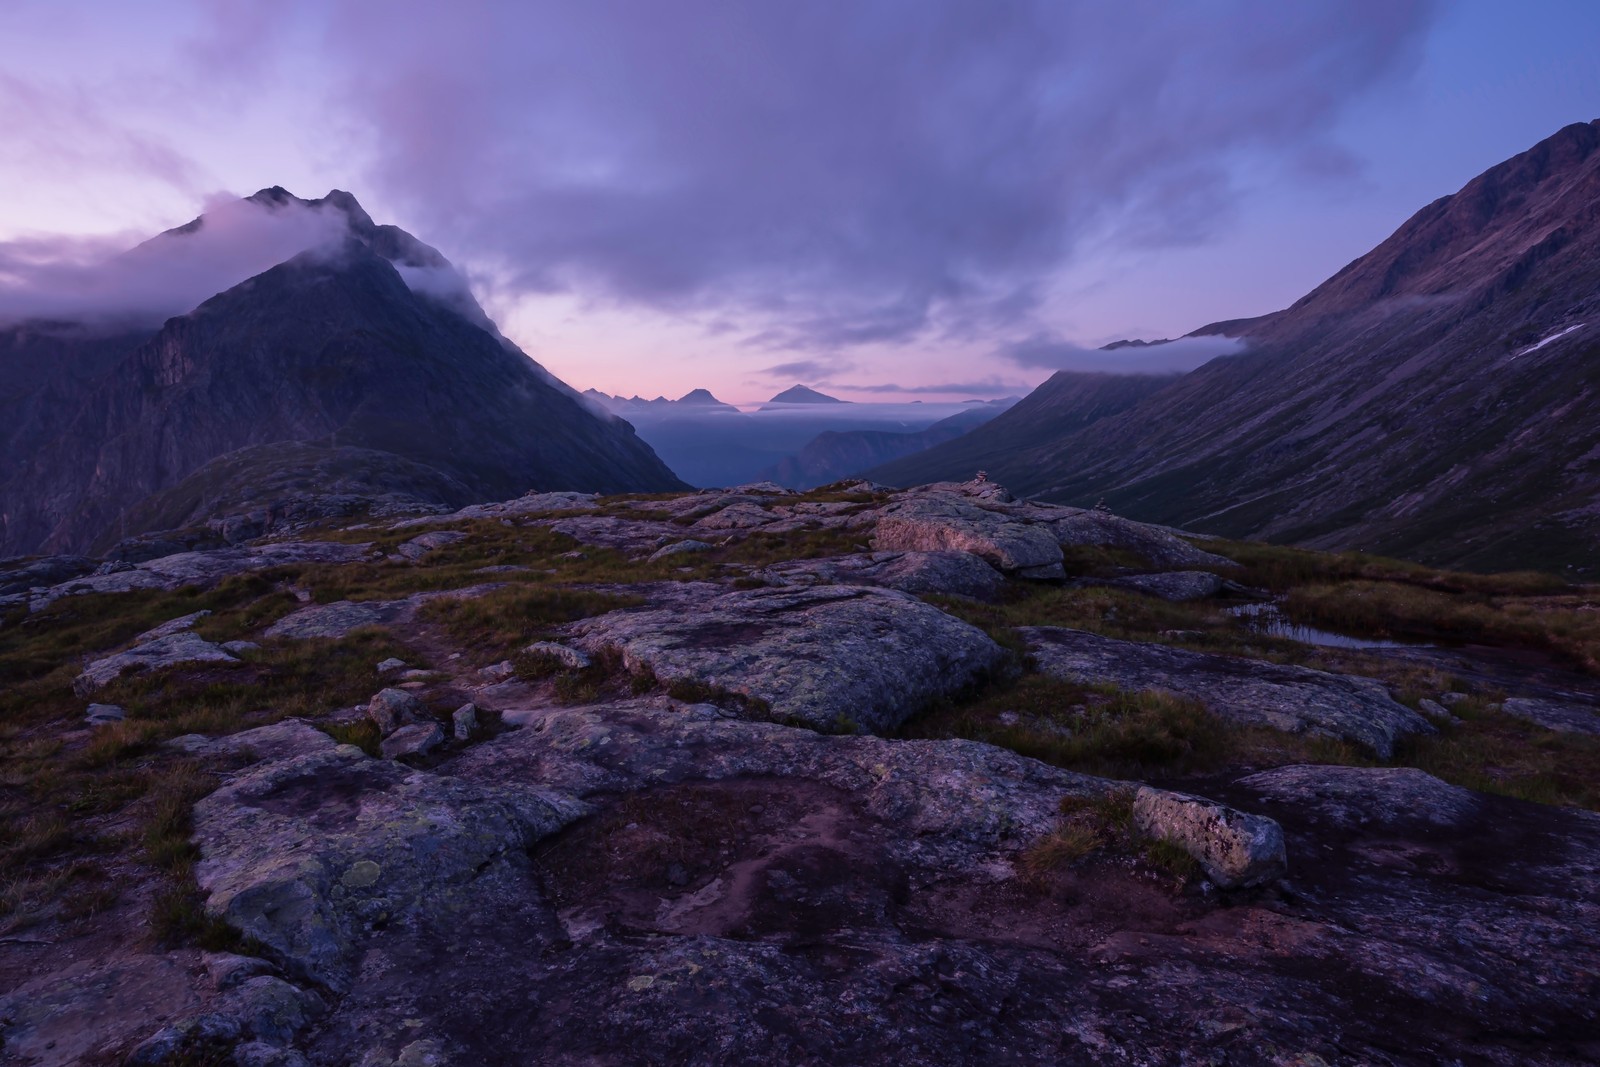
799,394
1006,445
699,400
369,356
1438,398
837,454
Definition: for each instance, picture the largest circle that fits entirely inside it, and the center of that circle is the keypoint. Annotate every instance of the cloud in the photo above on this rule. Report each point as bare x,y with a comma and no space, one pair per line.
990,387
1048,352
806,369
101,280
838,172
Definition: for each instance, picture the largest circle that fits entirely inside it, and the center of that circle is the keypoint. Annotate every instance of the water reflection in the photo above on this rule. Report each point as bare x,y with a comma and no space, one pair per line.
1268,620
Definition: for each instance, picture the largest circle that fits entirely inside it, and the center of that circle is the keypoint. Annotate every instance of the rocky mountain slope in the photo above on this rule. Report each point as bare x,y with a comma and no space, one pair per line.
930,777
372,354
1438,398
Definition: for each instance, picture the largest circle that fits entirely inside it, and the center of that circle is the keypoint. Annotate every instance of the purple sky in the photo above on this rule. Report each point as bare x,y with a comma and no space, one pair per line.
944,199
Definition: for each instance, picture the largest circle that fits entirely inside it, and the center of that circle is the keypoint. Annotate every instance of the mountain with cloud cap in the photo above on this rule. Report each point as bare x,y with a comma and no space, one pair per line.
365,353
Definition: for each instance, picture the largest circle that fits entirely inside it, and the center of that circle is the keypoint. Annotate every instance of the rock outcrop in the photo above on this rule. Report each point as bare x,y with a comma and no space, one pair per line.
1248,692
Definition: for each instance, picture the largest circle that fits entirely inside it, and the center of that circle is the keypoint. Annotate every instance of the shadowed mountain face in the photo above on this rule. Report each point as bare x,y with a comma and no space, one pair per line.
333,348
837,454
1438,398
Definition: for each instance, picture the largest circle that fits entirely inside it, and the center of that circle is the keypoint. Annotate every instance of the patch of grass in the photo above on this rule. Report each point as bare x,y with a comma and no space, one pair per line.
1093,730
497,624
1059,849
1169,858
1280,568
1497,753
362,733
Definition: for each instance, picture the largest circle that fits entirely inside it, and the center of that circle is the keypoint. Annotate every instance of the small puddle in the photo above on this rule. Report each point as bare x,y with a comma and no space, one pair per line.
1269,620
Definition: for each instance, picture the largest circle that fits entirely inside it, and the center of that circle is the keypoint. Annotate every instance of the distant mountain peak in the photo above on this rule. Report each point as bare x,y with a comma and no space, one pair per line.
698,396
800,394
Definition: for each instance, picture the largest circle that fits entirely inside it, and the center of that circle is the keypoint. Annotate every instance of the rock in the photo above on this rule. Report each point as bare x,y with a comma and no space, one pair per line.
238,648
167,629
830,657
418,739
104,714
338,619
20,574
464,721
1450,700
1153,544
1176,586
304,853
1354,798
1434,708
1235,849
281,740
1555,715
943,522
570,658
417,674
393,663
679,548
498,672
64,1019
182,649
1249,692
394,708
918,573
419,546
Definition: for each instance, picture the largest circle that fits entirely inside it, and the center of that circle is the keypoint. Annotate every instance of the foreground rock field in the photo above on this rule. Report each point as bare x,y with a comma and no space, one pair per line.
854,776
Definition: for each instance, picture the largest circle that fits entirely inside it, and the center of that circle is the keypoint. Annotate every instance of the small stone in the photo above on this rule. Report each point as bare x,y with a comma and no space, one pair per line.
499,672
391,664
104,714
1434,708
394,708
239,647
1235,849
464,720
569,657
415,675
361,874
418,739
1452,699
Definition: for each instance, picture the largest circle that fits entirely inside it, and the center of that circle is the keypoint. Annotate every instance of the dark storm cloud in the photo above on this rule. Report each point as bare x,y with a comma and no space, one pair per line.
839,171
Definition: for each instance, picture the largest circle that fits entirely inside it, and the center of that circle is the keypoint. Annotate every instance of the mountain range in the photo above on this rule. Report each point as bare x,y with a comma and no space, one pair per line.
1438,398
357,374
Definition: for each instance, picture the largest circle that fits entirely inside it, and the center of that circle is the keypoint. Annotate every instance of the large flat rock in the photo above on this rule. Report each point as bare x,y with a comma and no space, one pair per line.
919,573
830,657
182,649
944,522
1245,691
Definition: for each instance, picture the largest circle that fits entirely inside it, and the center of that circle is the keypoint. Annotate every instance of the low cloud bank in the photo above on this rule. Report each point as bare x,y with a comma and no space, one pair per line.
101,281
1161,357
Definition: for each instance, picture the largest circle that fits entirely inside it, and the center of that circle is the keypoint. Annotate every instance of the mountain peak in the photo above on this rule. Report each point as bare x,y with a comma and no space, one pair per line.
699,396
800,394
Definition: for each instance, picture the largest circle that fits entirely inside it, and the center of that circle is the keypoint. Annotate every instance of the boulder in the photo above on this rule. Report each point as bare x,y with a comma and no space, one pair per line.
394,708
418,739
931,523
1245,691
829,657
464,721
104,714
182,649
1153,544
419,546
1235,849
393,663
679,548
167,629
